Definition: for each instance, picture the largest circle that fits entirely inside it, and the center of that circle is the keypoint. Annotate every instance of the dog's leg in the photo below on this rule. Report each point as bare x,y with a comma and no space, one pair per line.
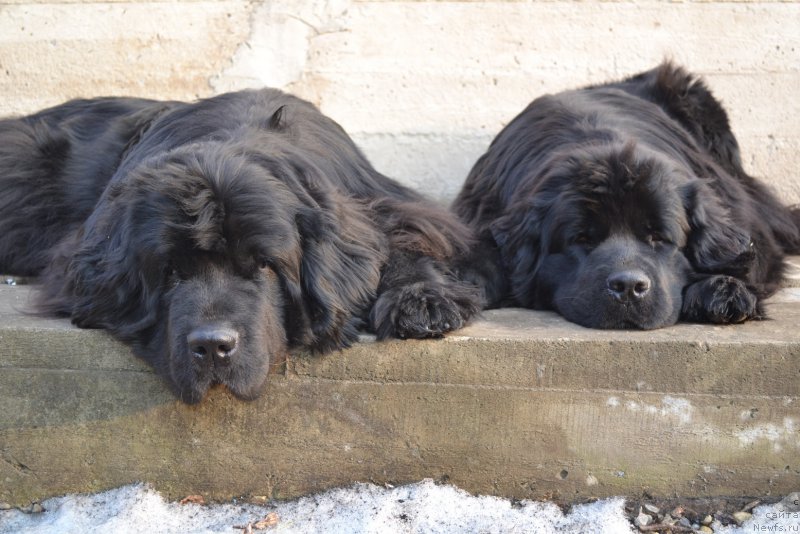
483,267
720,299
419,297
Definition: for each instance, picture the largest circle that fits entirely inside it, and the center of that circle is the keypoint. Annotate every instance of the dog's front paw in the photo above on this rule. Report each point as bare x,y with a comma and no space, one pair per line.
721,300
420,310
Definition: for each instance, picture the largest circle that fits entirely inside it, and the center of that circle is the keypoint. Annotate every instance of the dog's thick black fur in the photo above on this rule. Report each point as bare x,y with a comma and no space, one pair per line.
626,205
212,236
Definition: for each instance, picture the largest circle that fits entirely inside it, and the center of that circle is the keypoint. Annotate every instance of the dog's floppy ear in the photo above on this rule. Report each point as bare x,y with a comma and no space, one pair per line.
716,244
330,272
518,235
101,279
338,273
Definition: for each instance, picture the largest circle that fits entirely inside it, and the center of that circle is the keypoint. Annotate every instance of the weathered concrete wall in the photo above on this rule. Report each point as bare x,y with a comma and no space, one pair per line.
519,404
423,86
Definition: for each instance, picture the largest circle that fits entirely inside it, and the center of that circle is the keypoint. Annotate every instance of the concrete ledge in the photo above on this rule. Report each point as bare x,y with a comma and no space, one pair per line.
519,404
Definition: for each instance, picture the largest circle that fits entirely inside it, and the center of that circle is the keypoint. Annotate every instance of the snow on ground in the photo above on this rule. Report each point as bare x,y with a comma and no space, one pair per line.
424,507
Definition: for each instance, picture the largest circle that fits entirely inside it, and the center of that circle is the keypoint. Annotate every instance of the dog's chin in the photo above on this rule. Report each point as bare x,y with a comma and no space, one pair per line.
192,381
190,392
248,391
624,322
194,391
613,316
619,322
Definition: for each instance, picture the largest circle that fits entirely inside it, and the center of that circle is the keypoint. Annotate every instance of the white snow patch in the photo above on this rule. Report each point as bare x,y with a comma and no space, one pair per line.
424,507
777,435
676,407
541,369
680,408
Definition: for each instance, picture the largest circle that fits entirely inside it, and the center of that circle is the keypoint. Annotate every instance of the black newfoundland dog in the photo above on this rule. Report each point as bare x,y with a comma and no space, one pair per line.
625,205
214,235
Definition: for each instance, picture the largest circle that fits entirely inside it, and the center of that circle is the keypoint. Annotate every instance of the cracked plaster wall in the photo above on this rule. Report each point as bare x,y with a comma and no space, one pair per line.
422,86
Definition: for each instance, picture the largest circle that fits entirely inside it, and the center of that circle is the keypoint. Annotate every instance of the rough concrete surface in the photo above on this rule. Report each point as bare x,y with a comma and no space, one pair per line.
422,86
520,403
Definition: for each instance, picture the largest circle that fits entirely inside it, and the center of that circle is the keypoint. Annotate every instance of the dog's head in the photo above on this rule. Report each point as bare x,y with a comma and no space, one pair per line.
212,260
609,236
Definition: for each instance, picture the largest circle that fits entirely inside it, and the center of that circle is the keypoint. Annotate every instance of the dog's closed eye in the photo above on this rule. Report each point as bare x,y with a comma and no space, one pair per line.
582,238
655,237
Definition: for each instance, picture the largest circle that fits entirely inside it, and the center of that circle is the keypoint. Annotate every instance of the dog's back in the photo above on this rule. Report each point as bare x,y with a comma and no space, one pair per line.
282,127
687,99
53,167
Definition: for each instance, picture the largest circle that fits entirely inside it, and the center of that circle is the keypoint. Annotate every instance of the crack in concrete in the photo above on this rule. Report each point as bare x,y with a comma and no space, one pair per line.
8,459
251,8
317,31
278,49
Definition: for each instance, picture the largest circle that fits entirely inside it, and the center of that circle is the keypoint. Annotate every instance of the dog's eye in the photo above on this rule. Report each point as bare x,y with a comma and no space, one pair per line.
655,237
174,272
263,263
582,238
171,272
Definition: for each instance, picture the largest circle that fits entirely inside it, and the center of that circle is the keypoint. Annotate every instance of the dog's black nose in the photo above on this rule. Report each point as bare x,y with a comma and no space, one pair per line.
627,286
213,343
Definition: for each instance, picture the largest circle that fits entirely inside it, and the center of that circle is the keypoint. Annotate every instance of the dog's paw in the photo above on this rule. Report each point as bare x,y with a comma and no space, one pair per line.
721,300
731,302
420,310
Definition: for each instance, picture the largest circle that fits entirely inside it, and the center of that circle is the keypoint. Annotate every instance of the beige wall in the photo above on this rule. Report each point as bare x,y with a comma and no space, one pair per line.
422,86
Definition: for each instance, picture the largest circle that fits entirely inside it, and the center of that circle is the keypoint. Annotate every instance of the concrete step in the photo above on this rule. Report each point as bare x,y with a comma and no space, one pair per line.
519,404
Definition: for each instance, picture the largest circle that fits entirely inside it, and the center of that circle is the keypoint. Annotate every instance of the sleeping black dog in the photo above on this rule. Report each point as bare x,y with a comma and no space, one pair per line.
626,205
214,235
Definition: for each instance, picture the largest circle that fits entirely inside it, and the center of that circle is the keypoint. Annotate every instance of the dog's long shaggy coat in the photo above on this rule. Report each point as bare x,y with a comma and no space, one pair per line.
214,235
626,205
